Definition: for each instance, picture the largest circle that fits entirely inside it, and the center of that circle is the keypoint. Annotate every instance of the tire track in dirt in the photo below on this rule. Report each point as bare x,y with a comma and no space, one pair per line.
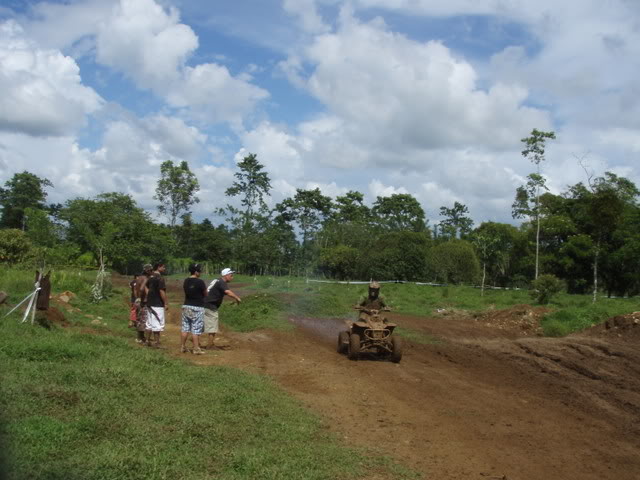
482,403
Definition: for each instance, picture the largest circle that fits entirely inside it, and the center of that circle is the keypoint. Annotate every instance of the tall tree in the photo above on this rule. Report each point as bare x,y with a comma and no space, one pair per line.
176,190
400,211
252,184
606,205
307,209
487,247
457,223
505,254
113,224
534,150
349,222
24,190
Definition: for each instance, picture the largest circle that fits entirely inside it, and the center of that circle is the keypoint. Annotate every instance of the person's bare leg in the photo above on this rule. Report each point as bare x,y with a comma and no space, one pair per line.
183,341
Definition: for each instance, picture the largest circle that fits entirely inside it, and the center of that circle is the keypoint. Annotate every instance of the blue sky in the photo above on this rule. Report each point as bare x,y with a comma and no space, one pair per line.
380,96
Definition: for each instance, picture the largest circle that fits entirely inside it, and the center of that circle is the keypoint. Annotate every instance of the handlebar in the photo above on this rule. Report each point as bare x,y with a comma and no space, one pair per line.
371,311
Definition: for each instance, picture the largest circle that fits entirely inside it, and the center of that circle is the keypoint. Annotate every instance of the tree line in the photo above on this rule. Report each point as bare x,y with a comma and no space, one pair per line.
587,236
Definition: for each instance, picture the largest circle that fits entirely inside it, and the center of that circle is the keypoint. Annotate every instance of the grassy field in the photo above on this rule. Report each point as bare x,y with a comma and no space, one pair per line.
568,313
83,403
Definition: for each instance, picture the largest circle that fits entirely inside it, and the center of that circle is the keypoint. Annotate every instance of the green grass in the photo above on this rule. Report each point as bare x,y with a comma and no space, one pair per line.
18,283
577,313
568,313
76,405
256,312
79,406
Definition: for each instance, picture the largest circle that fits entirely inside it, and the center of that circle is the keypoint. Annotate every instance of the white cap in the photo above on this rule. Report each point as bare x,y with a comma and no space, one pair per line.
226,271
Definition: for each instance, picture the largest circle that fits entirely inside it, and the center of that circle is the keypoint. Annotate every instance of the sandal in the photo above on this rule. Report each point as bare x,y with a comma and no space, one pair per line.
198,351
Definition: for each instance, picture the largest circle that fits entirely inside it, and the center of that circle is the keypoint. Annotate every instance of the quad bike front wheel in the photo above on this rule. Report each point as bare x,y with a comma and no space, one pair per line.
396,349
354,346
343,342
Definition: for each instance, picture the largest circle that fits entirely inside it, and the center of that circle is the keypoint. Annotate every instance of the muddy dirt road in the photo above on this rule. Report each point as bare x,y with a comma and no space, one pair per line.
488,400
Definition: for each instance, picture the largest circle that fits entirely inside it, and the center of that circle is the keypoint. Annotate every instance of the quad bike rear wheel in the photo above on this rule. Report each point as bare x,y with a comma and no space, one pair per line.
343,342
396,353
354,346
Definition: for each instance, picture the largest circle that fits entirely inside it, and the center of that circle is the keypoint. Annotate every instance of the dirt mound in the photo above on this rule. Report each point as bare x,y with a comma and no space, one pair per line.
51,316
524,319
625,327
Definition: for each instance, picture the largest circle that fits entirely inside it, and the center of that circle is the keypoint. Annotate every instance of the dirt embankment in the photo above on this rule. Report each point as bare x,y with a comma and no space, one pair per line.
489,400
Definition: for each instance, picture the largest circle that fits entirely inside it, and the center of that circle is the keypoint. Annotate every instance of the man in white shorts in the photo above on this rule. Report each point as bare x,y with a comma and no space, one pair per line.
216,292
157,304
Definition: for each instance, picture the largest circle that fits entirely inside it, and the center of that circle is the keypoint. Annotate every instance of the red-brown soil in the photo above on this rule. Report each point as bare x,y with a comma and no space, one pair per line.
489,399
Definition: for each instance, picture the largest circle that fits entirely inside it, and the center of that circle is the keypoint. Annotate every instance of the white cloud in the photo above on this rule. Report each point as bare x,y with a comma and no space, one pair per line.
621,137
305,10
61,25
149,44
145,42
378,189
331,189
394,94
128,159
42,92
276,149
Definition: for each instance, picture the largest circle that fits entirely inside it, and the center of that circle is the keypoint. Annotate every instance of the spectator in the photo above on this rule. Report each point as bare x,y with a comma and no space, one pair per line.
142,311
157,304
216,292
195,290
134,307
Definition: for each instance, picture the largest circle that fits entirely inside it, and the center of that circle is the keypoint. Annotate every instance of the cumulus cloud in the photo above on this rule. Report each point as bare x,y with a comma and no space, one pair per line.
42,92
392,94
379,189
145,42
62,25
306,11
151,46
277,150
128,159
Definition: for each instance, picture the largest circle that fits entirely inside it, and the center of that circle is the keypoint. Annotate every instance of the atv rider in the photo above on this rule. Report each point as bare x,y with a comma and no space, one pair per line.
374,301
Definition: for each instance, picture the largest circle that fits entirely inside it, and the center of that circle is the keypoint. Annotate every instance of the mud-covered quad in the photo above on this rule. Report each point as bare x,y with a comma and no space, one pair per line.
372,334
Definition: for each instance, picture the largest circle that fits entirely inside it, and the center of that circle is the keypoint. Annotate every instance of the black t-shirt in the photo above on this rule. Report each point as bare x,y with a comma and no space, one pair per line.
194,292
216,294
155,284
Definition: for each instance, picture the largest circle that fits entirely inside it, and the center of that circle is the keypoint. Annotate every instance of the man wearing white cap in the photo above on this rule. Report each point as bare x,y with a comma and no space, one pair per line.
215,293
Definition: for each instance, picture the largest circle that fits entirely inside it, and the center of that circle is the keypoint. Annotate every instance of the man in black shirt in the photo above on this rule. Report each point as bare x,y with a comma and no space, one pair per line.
217,290
157,303
193,309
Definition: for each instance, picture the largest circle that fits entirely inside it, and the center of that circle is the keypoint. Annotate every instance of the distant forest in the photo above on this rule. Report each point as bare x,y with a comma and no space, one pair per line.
588,236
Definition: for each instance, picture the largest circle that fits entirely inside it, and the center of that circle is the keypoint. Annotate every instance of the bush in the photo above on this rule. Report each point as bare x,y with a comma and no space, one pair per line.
454,262
339,262
545,287
15,246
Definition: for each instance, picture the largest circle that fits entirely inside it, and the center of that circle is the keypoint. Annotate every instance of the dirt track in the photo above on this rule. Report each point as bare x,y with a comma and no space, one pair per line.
485,402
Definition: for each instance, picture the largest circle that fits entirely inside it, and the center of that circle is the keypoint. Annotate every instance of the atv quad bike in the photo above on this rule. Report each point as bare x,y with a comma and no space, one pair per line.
372,334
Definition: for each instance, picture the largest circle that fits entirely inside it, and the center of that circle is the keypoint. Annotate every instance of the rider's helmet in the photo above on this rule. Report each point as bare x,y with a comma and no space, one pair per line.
374,289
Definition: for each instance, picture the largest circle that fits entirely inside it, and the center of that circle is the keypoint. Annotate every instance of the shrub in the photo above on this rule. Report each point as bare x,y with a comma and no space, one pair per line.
454,262
545,287
15,246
